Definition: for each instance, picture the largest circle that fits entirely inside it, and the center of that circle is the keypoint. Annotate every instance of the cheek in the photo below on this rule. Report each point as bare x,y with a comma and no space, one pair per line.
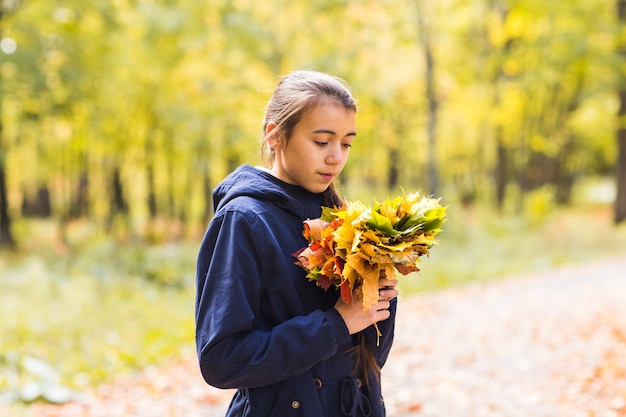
346,155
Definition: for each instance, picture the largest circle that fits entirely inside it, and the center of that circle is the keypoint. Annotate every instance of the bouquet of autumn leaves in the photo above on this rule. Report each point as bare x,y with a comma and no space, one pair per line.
350,246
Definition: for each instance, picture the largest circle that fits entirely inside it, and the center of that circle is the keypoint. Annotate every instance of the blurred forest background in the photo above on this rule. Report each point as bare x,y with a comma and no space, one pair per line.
118,117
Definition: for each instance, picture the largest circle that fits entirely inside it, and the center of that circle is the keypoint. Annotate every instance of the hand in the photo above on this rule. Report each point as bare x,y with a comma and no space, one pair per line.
356,319
387,288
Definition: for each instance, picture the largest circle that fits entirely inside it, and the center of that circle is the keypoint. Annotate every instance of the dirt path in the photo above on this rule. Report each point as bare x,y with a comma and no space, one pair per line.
548,345
551,345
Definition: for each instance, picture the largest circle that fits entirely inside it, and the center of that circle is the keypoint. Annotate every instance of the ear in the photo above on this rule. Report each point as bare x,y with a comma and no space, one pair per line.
272,136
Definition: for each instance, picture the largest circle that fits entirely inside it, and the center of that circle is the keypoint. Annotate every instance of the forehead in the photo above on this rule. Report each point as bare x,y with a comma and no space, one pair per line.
328,111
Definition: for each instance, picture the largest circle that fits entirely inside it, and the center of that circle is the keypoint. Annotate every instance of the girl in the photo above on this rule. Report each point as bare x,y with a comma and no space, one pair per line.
289,347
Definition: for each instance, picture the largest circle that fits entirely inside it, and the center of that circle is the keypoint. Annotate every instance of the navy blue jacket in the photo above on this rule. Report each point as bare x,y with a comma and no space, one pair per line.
261,326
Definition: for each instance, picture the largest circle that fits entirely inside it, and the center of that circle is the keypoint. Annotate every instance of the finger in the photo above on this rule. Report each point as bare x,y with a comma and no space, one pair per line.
387,283
387,294
382,315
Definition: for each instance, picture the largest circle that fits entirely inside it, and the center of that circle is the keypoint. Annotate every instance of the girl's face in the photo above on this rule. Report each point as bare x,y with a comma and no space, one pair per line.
318,148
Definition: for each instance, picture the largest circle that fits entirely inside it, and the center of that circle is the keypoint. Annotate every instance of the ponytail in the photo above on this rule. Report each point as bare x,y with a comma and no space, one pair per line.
365,364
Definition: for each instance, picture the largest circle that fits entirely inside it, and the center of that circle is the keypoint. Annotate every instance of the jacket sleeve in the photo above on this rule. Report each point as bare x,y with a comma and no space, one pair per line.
234,350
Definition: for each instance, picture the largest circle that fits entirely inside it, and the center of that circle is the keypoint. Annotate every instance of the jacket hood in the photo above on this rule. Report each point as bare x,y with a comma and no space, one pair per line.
258,183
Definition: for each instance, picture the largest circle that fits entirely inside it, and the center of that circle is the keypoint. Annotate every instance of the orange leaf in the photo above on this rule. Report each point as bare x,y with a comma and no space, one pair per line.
369,273
313,229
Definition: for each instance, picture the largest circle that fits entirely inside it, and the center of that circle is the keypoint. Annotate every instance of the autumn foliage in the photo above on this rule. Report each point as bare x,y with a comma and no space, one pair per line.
352,246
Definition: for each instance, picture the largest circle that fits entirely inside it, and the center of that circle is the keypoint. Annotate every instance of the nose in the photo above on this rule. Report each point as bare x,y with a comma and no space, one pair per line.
335,154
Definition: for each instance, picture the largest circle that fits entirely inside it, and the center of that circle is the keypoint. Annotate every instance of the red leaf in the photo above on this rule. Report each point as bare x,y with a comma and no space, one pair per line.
346,292
323,281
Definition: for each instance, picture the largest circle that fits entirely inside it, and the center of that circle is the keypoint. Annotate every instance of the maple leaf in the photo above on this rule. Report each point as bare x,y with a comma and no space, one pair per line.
372,237
313,229
324,282
345,236
434,219
406,268
369,274
382,224
329,268
346,292
390,209
313,256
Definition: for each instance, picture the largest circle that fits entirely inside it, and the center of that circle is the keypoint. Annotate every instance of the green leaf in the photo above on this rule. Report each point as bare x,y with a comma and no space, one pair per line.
433,219
328,214
382,224
410,223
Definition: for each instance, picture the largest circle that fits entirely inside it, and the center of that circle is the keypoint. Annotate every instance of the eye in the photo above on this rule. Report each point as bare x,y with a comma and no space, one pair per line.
320,143
346,145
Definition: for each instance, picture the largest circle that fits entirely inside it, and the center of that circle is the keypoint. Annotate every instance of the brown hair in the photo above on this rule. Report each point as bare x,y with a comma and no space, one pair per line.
295,94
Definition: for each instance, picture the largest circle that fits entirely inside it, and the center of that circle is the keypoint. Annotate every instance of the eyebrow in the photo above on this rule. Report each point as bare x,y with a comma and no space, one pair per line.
332,132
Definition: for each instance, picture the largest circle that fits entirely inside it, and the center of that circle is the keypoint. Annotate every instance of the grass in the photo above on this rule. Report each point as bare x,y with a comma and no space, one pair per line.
92,314
100,309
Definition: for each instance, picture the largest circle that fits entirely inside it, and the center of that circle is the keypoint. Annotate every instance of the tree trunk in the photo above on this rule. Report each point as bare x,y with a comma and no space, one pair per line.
393,172
6,235
564,176
620,200
501,169
80,203
118,207
433,104
37,205
152,201
208,194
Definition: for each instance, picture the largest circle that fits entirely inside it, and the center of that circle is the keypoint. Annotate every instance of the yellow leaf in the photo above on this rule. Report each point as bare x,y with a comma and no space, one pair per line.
369,274
345,236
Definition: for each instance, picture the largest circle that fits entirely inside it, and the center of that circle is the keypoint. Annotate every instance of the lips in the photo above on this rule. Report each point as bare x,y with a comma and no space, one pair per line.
327,176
